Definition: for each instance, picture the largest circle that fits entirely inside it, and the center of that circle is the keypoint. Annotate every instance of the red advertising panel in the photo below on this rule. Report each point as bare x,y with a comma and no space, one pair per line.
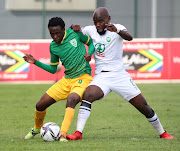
12,65
174,59
14,68
149,59
153,59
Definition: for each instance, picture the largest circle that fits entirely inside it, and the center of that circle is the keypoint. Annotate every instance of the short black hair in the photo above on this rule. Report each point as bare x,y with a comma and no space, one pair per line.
56,21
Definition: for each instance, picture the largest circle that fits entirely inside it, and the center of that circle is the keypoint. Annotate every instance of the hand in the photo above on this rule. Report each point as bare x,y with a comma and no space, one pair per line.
75,27
29,58
110,27
87,57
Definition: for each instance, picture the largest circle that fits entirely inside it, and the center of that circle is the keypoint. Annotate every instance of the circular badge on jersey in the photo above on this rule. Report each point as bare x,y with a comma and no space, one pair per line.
100,47
108,39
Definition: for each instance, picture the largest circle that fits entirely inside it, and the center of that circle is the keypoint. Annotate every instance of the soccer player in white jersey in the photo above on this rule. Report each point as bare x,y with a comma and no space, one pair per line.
110,74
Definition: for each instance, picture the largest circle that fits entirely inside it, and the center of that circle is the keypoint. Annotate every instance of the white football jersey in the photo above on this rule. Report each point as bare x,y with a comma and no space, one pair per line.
108,49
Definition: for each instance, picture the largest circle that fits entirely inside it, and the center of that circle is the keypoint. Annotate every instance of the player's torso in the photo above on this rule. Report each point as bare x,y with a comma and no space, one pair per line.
70,50
108,48
71,53
69,46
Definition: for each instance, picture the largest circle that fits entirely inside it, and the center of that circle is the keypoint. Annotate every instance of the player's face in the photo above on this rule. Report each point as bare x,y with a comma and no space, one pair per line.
100,22
57,33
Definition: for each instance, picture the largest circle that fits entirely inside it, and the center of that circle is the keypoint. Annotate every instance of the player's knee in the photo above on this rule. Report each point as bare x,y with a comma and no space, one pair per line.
72,101
93,93
39,107
89,96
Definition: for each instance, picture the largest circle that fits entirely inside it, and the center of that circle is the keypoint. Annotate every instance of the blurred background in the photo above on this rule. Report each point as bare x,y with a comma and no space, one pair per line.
27,19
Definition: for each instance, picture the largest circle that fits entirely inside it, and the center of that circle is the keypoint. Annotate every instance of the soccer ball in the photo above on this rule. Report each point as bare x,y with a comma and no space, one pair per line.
50,132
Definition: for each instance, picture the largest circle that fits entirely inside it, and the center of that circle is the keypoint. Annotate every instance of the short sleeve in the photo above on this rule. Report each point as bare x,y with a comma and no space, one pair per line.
120,27
85,30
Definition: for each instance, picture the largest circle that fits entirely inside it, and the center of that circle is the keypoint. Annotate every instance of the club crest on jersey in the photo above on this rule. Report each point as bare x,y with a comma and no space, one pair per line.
73,42
108,39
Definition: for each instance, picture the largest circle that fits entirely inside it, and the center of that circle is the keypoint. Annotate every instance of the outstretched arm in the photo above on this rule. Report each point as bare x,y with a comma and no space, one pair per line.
123,33
30,59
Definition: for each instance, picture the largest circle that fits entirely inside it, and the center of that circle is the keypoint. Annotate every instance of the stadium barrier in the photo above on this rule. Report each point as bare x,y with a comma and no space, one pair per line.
149,60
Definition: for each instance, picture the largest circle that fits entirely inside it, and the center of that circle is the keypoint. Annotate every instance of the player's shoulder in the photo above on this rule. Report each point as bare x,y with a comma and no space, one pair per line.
90,27
52,43
53,46
69,31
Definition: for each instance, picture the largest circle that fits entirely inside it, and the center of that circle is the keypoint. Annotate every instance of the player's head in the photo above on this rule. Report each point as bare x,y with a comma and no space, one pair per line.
56,28
100,18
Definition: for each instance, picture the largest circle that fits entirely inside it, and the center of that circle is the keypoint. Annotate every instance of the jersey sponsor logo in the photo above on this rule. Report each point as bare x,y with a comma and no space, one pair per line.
100,48
100,54
108,39
73,42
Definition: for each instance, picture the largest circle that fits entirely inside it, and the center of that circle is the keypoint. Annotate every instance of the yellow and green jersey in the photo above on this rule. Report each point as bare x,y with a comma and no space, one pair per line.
71,52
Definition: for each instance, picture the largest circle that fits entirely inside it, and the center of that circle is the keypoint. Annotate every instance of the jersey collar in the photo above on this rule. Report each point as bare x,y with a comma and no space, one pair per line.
65,33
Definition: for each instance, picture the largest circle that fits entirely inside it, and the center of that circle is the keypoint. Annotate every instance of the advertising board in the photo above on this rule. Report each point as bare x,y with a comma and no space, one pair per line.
157,59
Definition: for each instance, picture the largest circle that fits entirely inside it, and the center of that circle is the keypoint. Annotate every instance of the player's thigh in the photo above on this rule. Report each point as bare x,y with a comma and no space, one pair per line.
80,84
93,93
60,90
101,81
125,86
44,102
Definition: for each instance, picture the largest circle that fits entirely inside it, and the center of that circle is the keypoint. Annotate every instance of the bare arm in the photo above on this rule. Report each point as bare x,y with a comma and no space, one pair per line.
123,33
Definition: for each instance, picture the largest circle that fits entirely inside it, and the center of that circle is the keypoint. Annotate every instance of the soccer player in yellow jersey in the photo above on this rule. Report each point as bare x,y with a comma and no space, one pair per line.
68,46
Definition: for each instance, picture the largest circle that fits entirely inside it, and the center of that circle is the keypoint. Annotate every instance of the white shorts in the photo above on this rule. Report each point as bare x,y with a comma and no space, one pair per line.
117,81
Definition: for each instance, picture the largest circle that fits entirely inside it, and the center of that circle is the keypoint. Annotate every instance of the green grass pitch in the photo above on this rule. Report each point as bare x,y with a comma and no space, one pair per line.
114,124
